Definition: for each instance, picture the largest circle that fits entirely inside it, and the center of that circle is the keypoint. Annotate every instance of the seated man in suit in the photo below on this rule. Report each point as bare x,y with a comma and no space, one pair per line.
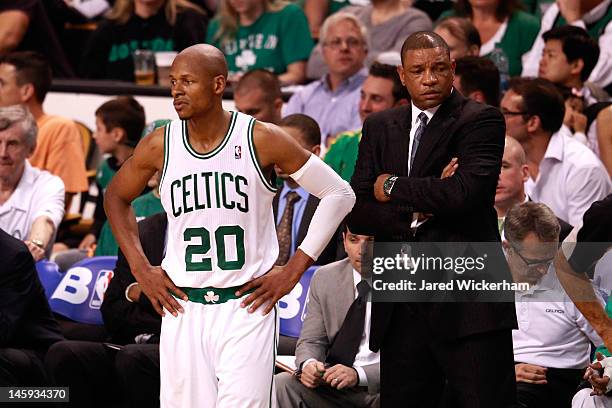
333,352
27,327
293,206
132,362
511,185
553,341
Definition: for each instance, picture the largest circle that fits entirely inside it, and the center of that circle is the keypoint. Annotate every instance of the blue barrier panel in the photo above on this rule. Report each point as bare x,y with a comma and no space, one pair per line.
49,275
292,306
78,296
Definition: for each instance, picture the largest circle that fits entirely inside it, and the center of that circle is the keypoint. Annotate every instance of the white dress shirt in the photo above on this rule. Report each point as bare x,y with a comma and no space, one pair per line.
602,73
552,332
364,356
38,193
570,179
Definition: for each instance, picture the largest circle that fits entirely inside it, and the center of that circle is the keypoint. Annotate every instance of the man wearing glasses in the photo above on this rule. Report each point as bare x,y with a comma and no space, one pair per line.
333,100
563,174
553,341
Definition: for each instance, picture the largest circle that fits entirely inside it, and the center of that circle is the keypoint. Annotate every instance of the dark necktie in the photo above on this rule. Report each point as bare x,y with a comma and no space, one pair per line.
283,231
345,345
417,137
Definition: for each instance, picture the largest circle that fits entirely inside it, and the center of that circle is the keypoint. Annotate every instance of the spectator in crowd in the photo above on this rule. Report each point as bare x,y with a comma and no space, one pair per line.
461,36
119,125
333,100
563,174
258,94
553,341
388,23
262,34
31,200
568,59
26,79
25,26
336,364
381,90
595,16
293,206
502,25
511,185
28,327
478,78
160,25
131,363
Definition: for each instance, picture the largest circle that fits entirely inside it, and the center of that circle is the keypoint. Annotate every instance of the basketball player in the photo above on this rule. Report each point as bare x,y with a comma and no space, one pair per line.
221,245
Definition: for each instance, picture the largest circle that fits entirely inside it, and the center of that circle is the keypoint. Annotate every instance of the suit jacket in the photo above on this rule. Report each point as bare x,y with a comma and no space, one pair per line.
26,321
462,205
332,291
329,253
125,320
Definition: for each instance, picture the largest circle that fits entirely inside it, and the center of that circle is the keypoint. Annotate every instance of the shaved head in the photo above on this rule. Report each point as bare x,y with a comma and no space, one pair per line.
205,56
422,40
515,151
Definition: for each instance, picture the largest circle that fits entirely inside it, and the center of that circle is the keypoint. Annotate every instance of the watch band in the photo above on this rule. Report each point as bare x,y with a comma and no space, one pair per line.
388,185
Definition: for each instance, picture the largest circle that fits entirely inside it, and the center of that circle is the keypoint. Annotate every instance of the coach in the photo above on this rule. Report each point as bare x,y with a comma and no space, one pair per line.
461,350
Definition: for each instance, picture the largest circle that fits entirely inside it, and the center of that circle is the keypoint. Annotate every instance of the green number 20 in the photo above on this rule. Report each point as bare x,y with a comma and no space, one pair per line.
205,265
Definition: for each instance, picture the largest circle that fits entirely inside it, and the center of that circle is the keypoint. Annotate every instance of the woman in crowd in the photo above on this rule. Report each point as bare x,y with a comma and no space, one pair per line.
157,25
460,35
263,34
501,24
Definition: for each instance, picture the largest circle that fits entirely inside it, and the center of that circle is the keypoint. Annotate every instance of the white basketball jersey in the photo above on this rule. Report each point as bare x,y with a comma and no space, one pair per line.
221,229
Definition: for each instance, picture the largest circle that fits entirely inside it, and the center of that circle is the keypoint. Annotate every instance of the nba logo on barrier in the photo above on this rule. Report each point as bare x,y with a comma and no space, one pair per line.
102,281
237,152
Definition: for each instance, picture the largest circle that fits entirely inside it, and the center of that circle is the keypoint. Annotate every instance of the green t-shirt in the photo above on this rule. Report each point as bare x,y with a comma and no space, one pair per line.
342,154
143,206
104,174
519,37
275,40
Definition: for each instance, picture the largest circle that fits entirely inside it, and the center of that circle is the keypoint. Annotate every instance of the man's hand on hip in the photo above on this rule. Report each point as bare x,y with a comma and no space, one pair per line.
275,284
155,283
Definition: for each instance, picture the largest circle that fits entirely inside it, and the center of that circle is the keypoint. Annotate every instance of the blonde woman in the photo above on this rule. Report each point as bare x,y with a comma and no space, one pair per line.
261,34
158,25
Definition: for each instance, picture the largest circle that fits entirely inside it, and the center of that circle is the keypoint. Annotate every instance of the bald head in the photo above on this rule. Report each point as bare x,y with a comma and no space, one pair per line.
513,151
422,40
205,56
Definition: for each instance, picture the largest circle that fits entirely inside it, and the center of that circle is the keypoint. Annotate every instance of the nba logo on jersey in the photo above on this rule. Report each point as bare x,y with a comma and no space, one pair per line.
237,152
104,277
